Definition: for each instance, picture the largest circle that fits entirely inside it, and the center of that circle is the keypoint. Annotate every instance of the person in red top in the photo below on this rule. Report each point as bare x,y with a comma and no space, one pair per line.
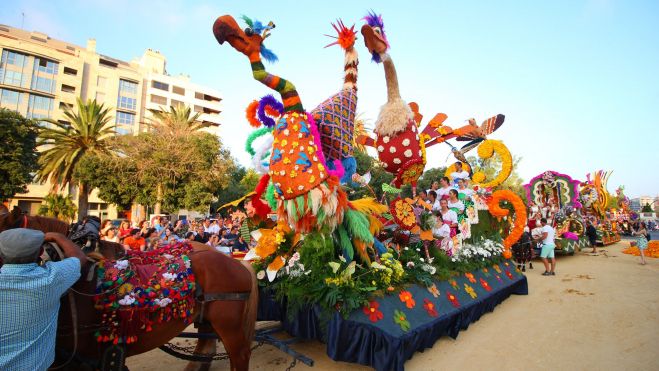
135,241
124,229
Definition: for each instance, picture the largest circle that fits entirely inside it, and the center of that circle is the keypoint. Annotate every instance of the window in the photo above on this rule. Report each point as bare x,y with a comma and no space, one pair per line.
100,97
10,99
127,103
199,95
127,95
125,118
178,90
125,122
43,75
13,78
45,65
39,107
160,85
13,58
13,68
177,103
101,81
68,88
107,63
126,86
65,106
70,71
157,99
198,109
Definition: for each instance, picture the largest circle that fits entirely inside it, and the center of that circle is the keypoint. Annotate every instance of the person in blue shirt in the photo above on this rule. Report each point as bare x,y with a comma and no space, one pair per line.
30,297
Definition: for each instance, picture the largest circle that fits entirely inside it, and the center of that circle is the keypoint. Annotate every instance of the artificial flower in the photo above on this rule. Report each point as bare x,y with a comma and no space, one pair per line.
497,268
453,299
485,285
510,275
406,297
470,277
371,310
432,289
429,307
401,320
470,290
453,283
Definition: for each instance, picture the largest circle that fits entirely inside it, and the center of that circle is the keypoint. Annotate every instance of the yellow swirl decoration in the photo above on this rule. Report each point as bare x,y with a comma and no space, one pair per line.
486,150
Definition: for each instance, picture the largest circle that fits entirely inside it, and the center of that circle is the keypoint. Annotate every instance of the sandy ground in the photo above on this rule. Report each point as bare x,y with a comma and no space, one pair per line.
598,313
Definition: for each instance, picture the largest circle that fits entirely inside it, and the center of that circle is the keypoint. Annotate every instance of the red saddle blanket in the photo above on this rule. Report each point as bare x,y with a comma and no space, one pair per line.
143,289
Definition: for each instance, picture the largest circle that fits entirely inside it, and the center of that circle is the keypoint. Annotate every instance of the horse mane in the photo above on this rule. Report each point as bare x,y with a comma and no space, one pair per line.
46,224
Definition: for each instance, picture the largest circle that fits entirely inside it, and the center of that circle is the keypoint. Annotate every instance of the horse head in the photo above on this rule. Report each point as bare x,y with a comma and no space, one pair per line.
10,219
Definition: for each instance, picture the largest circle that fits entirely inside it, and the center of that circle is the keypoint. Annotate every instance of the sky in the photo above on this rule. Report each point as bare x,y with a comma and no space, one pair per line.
578,81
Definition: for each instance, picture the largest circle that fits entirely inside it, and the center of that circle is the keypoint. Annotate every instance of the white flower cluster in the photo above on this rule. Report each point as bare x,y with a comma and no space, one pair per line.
486,249
294,267
429,268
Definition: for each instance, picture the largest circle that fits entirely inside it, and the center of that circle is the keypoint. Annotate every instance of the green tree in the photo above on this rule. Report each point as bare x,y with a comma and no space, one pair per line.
173,170
646,208
379,175
178,121
58,206
87,131
233,190
250,180
18,158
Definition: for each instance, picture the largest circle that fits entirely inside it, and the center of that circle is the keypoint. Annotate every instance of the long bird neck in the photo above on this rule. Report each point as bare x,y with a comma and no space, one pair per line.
285,88
392,80
350,69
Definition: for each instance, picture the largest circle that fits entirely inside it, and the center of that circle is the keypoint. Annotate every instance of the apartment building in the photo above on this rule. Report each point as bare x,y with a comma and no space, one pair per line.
41,76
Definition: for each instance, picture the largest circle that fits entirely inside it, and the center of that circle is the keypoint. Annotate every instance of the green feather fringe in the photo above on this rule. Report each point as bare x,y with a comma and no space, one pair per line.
345,244
270,196
253,136
357,224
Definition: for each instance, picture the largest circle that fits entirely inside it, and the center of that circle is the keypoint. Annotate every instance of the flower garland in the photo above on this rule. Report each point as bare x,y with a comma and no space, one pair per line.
499,212
486,150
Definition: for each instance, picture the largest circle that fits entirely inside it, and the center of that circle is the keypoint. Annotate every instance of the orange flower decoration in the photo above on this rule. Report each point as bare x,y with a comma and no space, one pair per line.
403,213
406,297
470,277
520,214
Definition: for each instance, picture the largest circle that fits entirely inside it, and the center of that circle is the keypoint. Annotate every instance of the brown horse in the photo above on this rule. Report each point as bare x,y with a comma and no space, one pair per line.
216,274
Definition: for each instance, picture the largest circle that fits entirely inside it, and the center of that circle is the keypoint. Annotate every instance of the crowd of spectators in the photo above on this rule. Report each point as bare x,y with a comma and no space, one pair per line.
223,234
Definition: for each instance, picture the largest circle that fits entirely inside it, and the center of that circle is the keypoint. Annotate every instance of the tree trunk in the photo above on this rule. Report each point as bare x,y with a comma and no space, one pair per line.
156,208
83,201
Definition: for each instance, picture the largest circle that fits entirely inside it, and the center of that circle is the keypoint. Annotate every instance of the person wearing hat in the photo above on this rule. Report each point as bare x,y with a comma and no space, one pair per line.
30,296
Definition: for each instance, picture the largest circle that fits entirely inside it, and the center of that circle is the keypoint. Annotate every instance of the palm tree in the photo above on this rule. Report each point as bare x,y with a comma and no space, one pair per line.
64,144
58,206
175,123
178,120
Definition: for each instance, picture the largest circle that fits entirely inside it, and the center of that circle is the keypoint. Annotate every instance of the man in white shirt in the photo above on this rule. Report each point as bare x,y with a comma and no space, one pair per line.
211,228
548,245
459,173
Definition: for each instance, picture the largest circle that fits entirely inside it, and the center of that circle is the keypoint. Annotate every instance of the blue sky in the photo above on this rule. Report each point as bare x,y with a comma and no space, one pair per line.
578,81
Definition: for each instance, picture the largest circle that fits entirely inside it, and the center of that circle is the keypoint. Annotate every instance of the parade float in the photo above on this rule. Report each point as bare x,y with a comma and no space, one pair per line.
595,199
375,281
556,197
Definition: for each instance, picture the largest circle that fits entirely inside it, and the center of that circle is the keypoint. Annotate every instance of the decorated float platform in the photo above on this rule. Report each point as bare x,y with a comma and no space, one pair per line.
391,329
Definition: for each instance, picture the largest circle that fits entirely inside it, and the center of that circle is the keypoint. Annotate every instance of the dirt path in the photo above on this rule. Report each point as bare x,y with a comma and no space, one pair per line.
597,313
